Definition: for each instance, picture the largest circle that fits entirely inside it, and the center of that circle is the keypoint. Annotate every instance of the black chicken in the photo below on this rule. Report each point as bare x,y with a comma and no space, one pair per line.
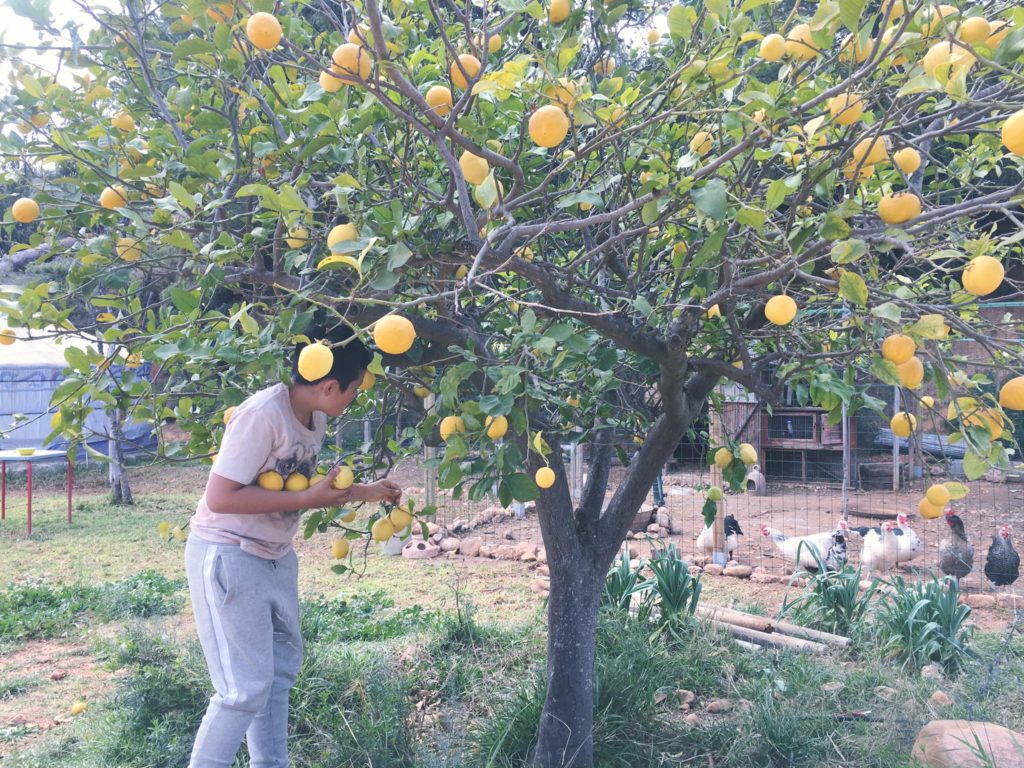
1002,565
956,553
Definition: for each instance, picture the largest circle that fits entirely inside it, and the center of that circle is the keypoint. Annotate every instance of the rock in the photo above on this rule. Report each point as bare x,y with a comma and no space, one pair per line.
695,570
731,563
714,569
745,704
530,506
692,720
471,547
700,560
632,549
932,672
979,601
526,546
941,699
739,571
662,532
543,570
1009,600
955,743
759,576
450,544
675,528
540,587
420,550
662,518
653,528
833,687
717,706
542,555
686,698
59,674
885,693
436,538
486,551
459,526
433,528
505,552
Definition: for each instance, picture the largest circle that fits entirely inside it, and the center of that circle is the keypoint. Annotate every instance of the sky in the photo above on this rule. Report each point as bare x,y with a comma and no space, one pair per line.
18,30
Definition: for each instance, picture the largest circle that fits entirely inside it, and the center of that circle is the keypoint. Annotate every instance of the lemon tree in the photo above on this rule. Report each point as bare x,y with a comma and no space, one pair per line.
587,229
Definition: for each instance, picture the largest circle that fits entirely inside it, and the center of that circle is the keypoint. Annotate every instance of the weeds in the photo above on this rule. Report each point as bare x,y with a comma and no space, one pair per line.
330,621
17,686
923,622
832,600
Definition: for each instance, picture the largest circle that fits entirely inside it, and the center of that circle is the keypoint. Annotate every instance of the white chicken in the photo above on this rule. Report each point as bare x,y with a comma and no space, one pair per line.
878,554
706,539
794,547
908,543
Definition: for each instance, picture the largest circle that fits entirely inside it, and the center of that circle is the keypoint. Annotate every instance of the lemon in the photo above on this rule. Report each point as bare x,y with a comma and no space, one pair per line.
113,197
493,43
343,479
78,708
701,143
927,510
474,167
558,11
715,493
164,529
780,309
382,530
439,98
496,426
898,348
394,334
450,425
296,481
221,12
330,81
748,454
179,534
352,62
123,122
653,37
911,373
368,381
773,47
928,401
548,126
982,275
899,208
25,210
127,248
903,423
263,30
723,458
846,108
315,362
907,160
297,237
1011,394
945,59
471,65
56,420
938,495
270,481
545,477
358,34
714,312
420,391
228,413
342,233
871,151
348,517
316,479
799,44
339,549
1012,133
400,518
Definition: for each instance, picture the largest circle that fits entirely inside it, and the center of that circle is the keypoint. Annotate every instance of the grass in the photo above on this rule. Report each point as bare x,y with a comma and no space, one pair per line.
17,686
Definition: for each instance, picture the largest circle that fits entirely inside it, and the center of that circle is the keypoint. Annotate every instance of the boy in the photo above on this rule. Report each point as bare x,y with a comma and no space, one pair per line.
242,570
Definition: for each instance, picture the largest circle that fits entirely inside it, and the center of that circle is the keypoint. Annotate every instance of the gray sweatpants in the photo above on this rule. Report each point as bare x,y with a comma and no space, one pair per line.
247,615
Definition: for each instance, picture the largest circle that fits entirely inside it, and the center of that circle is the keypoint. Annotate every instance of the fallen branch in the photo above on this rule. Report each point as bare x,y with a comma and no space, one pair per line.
770,626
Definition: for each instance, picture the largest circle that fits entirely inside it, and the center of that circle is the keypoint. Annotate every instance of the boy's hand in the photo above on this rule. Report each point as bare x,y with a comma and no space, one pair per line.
324,494
382,490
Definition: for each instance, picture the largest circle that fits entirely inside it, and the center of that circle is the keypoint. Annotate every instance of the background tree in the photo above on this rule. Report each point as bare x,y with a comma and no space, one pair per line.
847,171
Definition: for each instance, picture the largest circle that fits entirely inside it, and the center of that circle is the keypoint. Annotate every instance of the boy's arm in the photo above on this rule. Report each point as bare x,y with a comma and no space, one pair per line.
225,496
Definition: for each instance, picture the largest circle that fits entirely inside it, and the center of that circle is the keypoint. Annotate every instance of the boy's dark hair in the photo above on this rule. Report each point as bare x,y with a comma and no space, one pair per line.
350,360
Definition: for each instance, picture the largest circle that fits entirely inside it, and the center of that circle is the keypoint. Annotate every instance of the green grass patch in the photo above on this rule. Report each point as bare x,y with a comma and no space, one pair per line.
16,686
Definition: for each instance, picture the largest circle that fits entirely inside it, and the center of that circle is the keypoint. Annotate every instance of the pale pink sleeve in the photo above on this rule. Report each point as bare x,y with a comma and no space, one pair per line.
247,444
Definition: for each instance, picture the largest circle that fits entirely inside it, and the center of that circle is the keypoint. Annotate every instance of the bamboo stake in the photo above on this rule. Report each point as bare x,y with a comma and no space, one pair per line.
770,626
771,640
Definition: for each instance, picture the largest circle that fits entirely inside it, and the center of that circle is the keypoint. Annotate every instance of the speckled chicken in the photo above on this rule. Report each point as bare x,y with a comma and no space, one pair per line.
956,553
1002,564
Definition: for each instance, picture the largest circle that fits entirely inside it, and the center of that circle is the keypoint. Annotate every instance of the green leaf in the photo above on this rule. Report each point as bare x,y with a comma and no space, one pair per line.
185,301
919,84
191,47
487,193
834,227
398,254
178,239
853,288
522,487
848,251
884,370
649,213
888,311
751,217
850,12
928,327
681,19
290,199
565,56
777,192
185,200
449,474
956,490
975,465
718,7
77,359
712,199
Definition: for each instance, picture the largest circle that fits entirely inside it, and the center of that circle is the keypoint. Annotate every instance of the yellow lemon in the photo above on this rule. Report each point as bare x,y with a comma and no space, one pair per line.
653,37
871,151
748,454
471,65
927,510
78,708
907,160
296,481
164,529
228,413
105,317
902,424
343,479
56,420
846,108
723,458
548,126
974,29
558,11
899,208
928,401
297,237
799,44
938,495
367,383
982,275
394,334
780,310
496,426
127,248
898,348
1011,394
342,233
221,12
932,18
946,58
263,30
351,62
113,197
713,312
420,391
123,122
911,373
382,530
439,98
400,518
450,425
474,167
701,143
315,362
339,549
773,47
1012,133
25,210
330,81
545,477
270,481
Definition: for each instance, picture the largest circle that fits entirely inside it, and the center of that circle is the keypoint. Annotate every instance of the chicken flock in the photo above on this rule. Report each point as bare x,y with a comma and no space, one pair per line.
882,548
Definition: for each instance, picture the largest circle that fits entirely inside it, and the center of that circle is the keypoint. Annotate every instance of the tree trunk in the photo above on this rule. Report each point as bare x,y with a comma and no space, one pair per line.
120,490
567,722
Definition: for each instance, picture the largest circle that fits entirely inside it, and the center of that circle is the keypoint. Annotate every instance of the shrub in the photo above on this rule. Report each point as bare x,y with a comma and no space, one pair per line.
831,600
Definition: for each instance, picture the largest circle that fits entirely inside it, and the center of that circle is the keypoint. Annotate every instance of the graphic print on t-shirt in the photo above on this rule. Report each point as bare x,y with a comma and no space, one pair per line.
302,459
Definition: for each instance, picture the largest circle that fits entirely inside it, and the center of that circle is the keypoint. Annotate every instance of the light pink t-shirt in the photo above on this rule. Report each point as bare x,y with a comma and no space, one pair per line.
263,434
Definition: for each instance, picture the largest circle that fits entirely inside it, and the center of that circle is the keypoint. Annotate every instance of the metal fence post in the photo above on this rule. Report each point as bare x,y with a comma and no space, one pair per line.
430,452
